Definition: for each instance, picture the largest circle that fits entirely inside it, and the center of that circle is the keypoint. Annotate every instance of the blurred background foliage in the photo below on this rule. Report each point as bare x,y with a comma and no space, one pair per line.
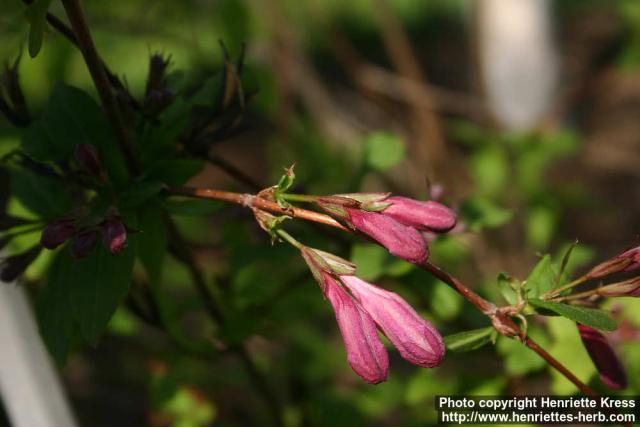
329,98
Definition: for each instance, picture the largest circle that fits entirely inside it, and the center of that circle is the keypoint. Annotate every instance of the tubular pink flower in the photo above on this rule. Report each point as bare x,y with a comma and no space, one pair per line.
626,261
400,240
365,352
611,370
417,340
426,216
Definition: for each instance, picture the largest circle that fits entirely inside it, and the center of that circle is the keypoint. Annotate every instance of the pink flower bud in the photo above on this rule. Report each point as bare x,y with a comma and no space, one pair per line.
400,240
83,244
365,352
115,234
626,261
57,232
627,288
611,370
417,340
428,216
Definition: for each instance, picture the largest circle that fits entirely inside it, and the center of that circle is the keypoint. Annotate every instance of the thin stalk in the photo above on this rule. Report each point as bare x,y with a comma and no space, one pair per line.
555,292
305,198
78,21
289,238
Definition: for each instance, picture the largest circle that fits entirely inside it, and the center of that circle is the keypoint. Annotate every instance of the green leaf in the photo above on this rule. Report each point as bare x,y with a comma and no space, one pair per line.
370,260
508,287
593,317
44,195
175,172
152,241
140,193
97,284
469,340
72,117
383,150
542,278
479,212
54,317
36,15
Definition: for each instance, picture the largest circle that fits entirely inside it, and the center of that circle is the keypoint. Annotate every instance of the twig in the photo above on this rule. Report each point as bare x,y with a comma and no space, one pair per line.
501,320
87,47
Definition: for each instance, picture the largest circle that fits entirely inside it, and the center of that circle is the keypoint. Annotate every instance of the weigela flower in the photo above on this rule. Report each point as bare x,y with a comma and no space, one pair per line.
626,261
394,222
361,307
627,288
604,358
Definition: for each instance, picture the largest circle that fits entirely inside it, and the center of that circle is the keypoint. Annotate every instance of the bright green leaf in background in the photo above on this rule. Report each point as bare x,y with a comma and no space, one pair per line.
595,318
383,151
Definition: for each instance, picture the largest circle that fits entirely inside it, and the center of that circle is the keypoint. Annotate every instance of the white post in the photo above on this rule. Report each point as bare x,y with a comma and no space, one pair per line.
29,385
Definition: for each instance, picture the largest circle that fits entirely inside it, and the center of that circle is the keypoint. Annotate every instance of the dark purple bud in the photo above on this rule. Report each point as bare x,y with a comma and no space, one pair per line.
87,157
611,370
12,267
158,65
57,232
115,234
400,240
83,244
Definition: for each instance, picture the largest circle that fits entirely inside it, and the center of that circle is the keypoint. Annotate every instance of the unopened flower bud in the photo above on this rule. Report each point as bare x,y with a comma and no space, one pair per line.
426,216
417,340
365,352
626,288
12,267
57,232
321,261
115,234
83,244
400,240
604,358
626,261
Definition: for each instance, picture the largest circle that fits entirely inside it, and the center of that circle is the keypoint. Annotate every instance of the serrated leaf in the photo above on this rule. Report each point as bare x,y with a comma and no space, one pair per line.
468,340
542,278
593,317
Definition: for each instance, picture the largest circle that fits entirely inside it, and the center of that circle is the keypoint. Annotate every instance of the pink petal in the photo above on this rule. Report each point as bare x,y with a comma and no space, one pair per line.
417,340
402,241
429,216
611,370
365,352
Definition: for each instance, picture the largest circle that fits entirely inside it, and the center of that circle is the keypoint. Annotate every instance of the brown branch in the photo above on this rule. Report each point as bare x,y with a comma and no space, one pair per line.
250,200
87,47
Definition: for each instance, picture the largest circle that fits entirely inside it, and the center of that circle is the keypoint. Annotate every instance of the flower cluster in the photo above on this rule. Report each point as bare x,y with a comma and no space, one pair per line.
362,308
397,223
84,238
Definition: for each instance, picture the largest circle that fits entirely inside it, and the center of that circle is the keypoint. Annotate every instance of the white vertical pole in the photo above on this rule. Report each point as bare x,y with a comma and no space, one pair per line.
518,61
29,385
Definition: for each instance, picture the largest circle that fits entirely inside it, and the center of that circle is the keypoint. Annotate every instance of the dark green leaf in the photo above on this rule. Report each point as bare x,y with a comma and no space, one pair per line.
593,317
36,15
468,340
175,172
72,117
152,241
43,195
140,193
